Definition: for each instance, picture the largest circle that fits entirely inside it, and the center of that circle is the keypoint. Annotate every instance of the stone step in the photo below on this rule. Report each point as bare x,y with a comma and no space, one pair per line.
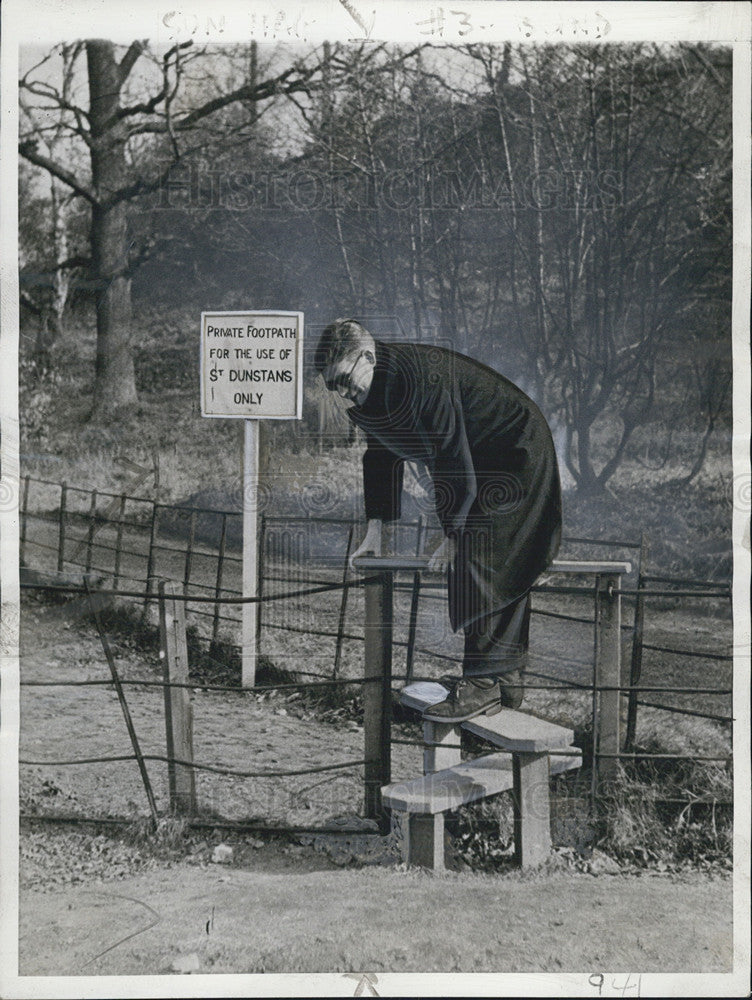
463,783
509,729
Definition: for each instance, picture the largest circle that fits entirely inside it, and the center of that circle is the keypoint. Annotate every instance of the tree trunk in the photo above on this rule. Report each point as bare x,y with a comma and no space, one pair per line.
62,276
115,380
587,481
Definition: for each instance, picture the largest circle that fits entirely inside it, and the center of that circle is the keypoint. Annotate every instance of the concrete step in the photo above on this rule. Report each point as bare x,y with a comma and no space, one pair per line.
463,783
509,729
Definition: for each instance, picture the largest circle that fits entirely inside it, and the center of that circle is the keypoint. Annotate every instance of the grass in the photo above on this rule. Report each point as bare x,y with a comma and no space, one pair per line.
292,919
668,815
640,825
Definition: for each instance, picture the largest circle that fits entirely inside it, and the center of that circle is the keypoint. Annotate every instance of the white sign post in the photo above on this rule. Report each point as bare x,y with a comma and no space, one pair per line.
251,369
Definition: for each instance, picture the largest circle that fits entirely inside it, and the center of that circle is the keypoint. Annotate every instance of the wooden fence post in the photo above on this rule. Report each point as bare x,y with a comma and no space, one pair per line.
414,599
92,529
377,690
343,603
218,587
635,670
61,535
178,709
189,548
606,738
189,553
119,541
150,560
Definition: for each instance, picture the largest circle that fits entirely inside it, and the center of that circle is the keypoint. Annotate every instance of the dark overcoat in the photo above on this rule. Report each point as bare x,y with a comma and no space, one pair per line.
491,458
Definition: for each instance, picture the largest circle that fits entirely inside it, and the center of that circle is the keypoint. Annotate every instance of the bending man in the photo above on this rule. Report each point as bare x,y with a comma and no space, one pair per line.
491,458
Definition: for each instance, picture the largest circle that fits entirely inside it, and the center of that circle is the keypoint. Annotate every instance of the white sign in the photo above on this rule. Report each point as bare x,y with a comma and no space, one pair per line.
252,365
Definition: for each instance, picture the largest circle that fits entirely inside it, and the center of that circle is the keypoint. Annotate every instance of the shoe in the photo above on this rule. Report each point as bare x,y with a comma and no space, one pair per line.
469,696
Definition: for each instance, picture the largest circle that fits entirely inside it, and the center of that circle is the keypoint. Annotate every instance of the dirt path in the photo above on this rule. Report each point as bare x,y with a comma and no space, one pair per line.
232,730
278,919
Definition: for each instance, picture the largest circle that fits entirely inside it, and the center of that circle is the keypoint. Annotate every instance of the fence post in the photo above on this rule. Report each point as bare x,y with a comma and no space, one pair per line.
218,587
119,541
92,528
377,690
343,603
123,707
637,637
410,652
61,535
24,516
178,709
150,560
260,570
606,737
189,553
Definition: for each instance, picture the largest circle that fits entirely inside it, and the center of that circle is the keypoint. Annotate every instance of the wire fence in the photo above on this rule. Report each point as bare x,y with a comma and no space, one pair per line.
95,532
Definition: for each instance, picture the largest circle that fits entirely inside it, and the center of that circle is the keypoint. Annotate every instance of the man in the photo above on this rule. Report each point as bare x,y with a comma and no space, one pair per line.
491,458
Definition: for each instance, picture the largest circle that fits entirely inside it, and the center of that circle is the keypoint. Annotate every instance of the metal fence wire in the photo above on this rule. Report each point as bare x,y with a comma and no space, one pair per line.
135,541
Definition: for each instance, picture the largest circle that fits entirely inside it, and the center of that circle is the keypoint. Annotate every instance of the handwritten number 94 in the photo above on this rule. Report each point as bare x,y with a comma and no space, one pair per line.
598,981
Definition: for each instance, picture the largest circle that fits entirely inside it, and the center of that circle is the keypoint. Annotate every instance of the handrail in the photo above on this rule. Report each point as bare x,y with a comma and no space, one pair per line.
415,564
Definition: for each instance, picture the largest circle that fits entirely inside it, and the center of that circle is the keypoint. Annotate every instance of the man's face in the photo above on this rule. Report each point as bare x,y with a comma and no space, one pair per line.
351,375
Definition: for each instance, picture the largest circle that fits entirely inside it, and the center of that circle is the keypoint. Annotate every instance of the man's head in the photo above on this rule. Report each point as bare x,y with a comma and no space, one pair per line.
345,357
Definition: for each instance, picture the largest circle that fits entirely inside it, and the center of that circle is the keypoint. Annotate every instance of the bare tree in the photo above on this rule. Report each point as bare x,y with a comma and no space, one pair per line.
110,125
622,149
52,135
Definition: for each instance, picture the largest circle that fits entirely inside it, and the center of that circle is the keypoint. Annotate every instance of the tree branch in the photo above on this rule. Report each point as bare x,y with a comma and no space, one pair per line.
147,107
248,92
41,89
29,152
129,60
57,129
141,186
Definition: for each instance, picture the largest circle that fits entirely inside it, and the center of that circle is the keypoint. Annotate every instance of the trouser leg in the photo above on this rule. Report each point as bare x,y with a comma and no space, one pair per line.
496,645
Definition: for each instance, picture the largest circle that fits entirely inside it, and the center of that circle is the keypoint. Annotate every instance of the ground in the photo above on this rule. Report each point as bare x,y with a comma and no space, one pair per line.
103,902
296,914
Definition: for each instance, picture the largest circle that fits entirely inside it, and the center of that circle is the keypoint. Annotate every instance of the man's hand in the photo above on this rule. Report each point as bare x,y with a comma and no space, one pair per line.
443,556
371,544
